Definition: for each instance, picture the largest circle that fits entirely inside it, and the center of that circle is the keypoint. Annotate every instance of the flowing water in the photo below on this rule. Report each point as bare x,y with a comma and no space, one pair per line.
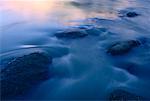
82,68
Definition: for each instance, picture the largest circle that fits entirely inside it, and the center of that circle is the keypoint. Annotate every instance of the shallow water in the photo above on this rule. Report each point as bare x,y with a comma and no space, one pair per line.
82,68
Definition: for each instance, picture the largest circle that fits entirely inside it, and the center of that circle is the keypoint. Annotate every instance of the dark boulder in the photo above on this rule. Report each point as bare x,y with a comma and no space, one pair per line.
80,31
121,95
22,73
122,47
79,4
132,14
72,33
129,14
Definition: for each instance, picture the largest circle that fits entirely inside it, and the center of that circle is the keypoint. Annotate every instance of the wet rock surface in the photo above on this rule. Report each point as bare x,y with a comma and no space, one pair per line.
72,33
80,31
122,47
81,68
132,14
121,95
78,4
21,73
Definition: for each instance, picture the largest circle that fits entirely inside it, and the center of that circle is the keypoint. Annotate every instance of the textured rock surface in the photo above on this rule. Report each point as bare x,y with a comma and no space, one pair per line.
71,33
80,31
120,95
22,73
132,14
122,47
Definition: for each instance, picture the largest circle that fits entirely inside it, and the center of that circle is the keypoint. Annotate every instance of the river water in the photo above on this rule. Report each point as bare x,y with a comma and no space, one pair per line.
86,72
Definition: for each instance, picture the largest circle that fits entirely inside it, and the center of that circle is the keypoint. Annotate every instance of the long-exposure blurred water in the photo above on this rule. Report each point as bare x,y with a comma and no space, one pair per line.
86,72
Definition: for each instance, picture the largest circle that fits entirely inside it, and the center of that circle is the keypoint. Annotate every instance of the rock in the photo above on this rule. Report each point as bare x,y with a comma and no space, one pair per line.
92,30
77,4
80,4
72,33
121,95
132,14
80,31
22,73
122,47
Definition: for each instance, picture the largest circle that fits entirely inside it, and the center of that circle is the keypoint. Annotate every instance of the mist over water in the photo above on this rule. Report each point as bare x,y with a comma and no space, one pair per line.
81,68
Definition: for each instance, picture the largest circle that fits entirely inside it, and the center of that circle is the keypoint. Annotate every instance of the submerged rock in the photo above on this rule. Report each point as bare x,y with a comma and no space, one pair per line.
128,13
71,33
22,73
79,4
132,14
122,47
121,95
92,30
80,31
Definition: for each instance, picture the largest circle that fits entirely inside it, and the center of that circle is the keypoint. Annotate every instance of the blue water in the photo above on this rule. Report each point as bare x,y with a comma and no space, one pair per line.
82,68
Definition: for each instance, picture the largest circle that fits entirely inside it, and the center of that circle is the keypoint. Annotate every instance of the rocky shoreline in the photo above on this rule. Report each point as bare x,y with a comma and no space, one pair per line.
22,73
